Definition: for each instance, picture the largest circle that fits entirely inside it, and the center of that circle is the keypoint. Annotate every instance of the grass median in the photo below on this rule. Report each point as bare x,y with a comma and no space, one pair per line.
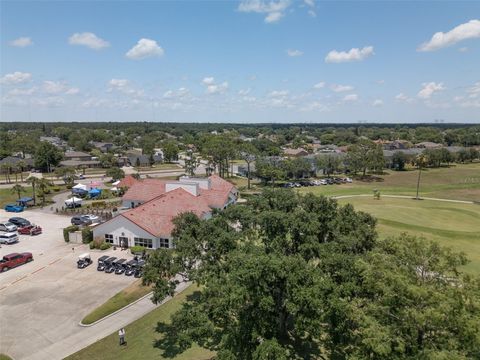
127,296
144,340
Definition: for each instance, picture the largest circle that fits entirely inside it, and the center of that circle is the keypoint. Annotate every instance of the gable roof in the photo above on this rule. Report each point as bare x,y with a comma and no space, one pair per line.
144,190
127,181
156,215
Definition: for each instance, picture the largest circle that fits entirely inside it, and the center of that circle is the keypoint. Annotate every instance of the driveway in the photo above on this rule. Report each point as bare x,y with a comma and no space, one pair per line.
41,303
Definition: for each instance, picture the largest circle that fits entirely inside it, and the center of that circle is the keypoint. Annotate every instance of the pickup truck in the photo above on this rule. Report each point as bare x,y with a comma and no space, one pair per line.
15,259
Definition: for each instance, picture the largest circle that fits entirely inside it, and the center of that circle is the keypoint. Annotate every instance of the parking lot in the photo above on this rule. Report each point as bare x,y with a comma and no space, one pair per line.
42,302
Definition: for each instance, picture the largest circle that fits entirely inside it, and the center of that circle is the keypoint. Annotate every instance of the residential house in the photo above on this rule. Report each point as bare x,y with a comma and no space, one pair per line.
428,145
299,152
79,159
54,140
103,146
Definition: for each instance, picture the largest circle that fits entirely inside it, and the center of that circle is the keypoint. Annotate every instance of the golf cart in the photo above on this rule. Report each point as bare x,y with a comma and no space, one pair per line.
139,269
120,266
102,262
83,261
130,267
110,265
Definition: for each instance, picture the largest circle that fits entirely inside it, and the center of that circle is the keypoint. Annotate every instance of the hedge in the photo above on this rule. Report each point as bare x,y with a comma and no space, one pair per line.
68,230
87,235
137,249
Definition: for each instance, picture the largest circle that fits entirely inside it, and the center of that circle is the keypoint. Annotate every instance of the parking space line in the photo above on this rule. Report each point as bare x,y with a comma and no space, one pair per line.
19,279
43,267
54,261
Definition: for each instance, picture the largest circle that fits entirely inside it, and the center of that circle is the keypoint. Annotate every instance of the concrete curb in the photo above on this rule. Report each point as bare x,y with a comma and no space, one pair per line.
405,197
131,304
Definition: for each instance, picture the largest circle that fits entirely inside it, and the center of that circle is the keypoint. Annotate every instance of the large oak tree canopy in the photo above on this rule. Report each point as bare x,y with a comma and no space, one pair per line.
297,277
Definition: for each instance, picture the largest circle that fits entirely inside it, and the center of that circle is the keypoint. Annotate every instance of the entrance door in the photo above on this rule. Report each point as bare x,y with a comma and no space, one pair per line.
123,242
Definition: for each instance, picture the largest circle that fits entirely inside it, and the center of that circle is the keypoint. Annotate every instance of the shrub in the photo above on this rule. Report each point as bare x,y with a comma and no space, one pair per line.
56,189
91,244
137,249
87,235
105,246
98,204
67,231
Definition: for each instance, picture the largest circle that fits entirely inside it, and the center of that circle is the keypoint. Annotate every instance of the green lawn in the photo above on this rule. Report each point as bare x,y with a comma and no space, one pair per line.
451,224
7,197
142,337
5,357
460,182
128,295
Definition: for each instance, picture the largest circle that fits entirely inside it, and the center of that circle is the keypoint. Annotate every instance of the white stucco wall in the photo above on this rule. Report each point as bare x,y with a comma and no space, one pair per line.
120,226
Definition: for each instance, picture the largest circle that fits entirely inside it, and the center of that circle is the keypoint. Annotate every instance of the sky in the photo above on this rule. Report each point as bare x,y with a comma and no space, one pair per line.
248,61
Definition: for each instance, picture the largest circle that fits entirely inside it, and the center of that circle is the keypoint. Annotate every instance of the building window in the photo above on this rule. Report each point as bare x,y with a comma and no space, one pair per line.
109,238
164,243
148,243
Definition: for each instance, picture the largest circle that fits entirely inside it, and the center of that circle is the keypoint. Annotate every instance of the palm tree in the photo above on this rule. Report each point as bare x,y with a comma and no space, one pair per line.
14,169
33,180
21,165
420,161
18,189
6,170
43,185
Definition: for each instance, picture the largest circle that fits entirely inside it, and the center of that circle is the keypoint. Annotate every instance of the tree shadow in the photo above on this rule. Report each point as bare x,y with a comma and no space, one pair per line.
171,341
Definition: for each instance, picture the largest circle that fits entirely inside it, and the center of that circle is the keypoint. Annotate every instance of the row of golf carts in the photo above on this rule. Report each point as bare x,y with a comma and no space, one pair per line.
110,264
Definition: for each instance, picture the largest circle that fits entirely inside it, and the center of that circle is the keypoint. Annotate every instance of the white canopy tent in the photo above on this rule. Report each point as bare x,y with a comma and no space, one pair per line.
73,200
116,183
80,186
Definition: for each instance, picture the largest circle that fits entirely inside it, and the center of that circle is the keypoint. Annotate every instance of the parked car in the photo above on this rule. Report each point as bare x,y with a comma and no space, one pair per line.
7,227
130,267
349,180
13,208
120,266
102,262
19,221
80,220
31,229
139,269
110,265
8,238
92,218
83,261
13,260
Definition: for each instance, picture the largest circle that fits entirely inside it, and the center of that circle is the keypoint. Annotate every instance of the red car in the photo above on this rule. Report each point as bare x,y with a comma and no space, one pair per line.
15,259
30,230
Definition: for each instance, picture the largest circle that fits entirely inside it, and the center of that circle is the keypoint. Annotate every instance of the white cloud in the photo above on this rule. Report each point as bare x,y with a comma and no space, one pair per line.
404,98
278,93
341,88
377,103
429,89
439,40
72,91
319,85
354,54
315,106
380,82
474,91
89,40
145,48
312,13
310,2
51,101
54,87
217,88
244,92
175,94
21,42
22,92
294,53
123,86
350,97
16,77
463,49
275,10
208,80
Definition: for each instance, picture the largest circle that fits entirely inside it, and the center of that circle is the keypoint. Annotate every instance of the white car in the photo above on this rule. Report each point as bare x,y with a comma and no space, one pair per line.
8,227
349,180
323,182
8,238
92,218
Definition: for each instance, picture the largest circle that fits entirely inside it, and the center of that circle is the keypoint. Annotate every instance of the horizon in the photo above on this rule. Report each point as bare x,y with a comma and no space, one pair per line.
249,61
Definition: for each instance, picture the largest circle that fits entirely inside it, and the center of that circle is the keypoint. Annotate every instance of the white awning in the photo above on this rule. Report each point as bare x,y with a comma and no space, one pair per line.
73,200
80,186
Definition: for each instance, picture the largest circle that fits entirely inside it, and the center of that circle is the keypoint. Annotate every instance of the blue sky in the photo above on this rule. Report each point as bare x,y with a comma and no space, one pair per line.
240,61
